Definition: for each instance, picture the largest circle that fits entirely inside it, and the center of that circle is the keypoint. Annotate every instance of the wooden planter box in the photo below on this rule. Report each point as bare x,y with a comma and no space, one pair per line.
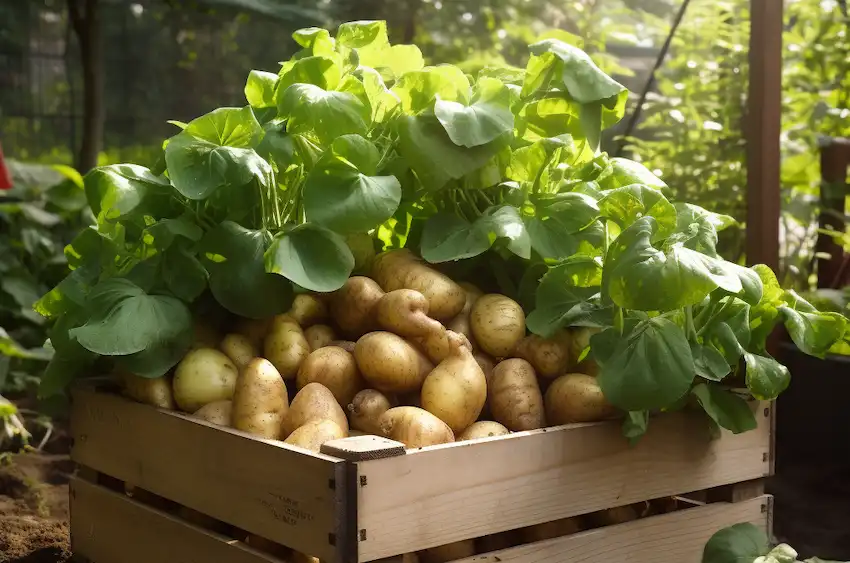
366,498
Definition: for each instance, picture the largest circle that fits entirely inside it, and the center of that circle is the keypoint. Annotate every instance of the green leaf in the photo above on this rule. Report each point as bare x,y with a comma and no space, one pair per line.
628,204
813,332
183,274
504,221
635,425
164,232
319,70
562,292
550,239
316,39
486,117
765,315
766,378
259,90
61,371
68,294
158,359
9,347
574,211
276,145
227,127
418,90
726,408
118,190
311,256
709,362
446,237
322,114
625,172
548,117
364,33
233,256
741,543
649,368
398,60
381,99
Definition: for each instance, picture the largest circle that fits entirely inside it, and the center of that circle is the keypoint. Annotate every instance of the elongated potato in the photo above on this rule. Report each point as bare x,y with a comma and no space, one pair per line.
449,552
456,390
405,312
460,323
203,376
576,397
483,429
353,306
151,391
549,530
313,401
312,434
218,412
498,324
514,396
286,347
487,364
319,336
549,356
239,349
308,310
401,269
255,330
365,411
415,427
260,401
435,345
391,364
334,368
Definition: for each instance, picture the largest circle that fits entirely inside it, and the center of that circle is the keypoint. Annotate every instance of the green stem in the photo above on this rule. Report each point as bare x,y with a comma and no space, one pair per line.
263,212
470,202
689,322
487,199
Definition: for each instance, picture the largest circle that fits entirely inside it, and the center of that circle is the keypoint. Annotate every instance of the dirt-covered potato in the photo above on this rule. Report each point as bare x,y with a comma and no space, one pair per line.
483,429
308,310
353,306
456,390
286,347
313,433
203,376
549,356
260,401
334,368
218,412
415,427
401,269
391,364
514,396
579,339
239,349
319,336
498,324
151,391
255,330
449,552
365,411
549,530
405,312
576,397
313,401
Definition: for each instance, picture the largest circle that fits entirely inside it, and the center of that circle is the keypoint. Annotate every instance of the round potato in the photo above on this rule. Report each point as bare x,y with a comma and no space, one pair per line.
255,330
576,397
313,401
308,310
353,306
514,396
415,427
203,376
483,429
334,368
449,552
549,530
549,356
319,336
154,391
286,347
239,349
405,312
498,324
260,401
218,412
366,409
312,434
391,364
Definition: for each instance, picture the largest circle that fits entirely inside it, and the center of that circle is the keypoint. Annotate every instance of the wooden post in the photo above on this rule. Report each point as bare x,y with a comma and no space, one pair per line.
834,161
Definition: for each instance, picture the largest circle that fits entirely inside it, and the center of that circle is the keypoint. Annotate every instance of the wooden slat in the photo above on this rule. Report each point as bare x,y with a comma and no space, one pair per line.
288,496
107,527
465,490
678,537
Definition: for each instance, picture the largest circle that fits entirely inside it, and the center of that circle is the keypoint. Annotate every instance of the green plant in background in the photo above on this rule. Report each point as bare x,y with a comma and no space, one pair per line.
747,543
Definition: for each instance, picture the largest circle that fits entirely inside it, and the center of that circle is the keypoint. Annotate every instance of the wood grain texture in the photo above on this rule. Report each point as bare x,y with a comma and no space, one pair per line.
443,494
261,486
107,527
678,537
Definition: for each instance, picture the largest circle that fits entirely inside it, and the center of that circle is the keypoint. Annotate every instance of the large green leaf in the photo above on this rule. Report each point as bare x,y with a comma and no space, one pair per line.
628,204
766,378
709,362
625,172
322,114
320,70
561,294
158,359
418,90
381,99
551,239
814,332
765,314
311,256
741,543
550,116
486,117
363,33
182,273
446,237
259,89
574,211
118,190
505,222
727,409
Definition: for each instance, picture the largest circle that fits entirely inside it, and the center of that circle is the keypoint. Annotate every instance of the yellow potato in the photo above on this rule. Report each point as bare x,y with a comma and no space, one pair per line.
313,401
203,376
486,363
319,336
498,324
286,347
260,401
549,530
308,310
449,552
353,306
151,391
460,323
239,349
415,427
435,345
579,339
365,411
514,396
255,330
483,429
405,312
576,397
219,412
334,368
391,364
314,433
549,356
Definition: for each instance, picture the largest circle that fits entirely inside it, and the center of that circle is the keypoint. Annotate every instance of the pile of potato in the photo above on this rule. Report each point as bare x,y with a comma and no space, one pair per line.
406,353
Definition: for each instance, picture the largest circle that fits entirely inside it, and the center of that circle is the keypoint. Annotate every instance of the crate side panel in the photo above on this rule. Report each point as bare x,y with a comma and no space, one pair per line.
445,494
282,494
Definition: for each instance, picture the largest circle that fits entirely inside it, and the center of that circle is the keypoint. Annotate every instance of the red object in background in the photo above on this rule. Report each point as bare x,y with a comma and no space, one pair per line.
5,178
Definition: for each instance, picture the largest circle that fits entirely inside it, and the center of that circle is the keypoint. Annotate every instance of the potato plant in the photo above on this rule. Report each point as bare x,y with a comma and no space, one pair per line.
360,190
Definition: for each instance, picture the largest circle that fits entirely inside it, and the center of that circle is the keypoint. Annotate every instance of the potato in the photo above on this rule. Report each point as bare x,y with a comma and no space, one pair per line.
415,427
260,401
391,364
334,368
549,530
346,345
154,391
498,324
514,396
205,336
284,321
308,310
255,330
486,363
285,347
472,295
314,433
319,336
456,390
401,269
365,411
405,312
449,552
203,376
218,412
460,323
298,557
314,401
579,339
549,356
239,349
576,397
435,345
353,306
483,429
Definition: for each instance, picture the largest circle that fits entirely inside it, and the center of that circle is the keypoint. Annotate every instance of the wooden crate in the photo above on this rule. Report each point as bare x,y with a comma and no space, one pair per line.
366,498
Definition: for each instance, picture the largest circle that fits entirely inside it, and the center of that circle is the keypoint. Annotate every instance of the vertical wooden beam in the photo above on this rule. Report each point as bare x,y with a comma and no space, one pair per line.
764,110
834,162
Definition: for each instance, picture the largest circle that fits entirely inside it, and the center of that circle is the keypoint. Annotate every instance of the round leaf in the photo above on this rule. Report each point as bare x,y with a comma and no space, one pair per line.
311,256
448,237
321,113
628,204
486,118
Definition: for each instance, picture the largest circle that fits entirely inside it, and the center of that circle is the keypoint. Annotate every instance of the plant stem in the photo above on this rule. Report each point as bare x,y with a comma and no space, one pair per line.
689,322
